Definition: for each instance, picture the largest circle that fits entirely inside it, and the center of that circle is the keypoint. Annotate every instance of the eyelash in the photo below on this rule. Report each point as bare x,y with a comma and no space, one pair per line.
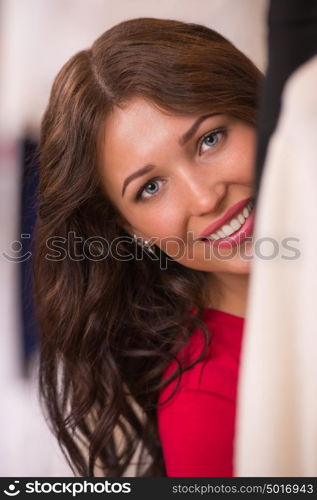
220,130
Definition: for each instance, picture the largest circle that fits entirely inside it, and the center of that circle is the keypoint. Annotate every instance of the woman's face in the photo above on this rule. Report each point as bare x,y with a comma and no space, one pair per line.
170,177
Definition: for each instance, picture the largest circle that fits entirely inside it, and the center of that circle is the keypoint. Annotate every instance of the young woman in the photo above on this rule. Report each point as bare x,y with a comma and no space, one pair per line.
143,249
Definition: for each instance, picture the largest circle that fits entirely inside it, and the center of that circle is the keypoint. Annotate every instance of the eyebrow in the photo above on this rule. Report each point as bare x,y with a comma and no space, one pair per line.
182,140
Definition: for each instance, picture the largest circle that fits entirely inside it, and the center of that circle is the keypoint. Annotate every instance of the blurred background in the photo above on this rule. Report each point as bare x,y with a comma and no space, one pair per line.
36,38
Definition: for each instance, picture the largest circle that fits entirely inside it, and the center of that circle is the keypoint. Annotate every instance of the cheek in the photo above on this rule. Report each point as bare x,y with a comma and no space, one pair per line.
165,220
248,152
241,162
167,225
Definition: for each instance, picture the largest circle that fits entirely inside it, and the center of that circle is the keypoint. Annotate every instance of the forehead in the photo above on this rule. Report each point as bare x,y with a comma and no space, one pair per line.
136,133
140,118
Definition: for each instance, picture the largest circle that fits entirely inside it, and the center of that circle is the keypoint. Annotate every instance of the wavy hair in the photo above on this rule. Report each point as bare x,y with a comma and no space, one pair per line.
110,326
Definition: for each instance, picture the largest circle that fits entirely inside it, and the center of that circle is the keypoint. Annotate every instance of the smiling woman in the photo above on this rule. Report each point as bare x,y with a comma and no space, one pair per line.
148,137
194,168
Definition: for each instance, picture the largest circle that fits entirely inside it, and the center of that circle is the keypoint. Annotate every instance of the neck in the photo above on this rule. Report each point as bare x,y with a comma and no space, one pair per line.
229,293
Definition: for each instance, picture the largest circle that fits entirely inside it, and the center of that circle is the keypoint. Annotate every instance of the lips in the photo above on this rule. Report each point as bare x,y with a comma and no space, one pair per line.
229,214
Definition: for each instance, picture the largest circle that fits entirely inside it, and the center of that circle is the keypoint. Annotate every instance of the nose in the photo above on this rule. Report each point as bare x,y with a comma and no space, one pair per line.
204,195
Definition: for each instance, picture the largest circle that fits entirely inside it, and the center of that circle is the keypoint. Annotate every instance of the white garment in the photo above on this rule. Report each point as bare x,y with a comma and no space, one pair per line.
276,426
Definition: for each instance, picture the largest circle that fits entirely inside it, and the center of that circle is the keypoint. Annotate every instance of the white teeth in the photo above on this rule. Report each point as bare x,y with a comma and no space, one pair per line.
245,212
221,233
233,225
228,229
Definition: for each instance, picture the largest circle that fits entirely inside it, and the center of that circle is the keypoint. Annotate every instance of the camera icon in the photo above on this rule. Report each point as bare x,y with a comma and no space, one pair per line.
12,490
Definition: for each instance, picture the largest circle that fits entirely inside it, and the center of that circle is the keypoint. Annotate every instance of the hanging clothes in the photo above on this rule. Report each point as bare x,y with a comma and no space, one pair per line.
276,427
292,40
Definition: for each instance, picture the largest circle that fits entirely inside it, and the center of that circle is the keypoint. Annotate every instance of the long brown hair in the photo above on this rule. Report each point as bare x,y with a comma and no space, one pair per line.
109,327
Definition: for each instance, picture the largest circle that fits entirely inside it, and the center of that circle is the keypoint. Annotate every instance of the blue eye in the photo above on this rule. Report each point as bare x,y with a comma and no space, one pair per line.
211,139
144,189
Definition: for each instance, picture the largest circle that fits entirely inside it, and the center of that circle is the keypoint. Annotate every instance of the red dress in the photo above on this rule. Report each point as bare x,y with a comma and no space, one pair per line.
196,426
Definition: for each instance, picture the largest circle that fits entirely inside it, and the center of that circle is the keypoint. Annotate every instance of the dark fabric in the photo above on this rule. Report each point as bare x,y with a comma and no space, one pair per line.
292,40
27,222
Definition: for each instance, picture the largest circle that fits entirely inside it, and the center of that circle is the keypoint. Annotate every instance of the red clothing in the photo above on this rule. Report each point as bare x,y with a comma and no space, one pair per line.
196,426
